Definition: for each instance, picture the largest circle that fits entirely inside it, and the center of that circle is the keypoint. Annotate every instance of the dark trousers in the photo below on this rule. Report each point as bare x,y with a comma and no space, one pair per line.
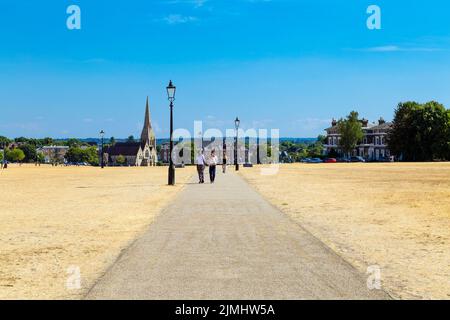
200,170
212,173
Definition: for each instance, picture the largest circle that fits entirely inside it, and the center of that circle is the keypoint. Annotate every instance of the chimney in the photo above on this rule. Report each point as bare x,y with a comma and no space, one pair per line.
381,121
364,122
333,122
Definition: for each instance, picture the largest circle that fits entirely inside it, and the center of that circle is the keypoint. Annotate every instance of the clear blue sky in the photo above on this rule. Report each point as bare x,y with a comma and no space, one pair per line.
287,64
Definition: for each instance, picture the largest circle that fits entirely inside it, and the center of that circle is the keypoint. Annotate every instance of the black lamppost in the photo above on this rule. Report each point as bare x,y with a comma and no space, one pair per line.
171,96
102,155
236,124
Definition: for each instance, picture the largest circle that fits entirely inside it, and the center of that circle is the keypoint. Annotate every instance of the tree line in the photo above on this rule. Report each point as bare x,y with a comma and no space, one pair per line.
419,132
27,150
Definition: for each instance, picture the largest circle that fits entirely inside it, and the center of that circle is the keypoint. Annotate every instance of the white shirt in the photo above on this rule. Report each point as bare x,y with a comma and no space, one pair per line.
213,161
201,160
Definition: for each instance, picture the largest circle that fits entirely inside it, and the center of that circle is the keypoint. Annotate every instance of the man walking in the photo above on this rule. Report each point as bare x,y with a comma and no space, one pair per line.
201,167
212,166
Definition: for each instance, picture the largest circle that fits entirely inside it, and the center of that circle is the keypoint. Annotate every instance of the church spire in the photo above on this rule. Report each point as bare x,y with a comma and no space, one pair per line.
147,131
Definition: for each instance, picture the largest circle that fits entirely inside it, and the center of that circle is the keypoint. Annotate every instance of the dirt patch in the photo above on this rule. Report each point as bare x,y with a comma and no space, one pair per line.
58,220
393,215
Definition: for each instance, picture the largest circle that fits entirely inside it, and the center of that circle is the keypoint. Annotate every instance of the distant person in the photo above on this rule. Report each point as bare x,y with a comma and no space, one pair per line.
224,164
212,166
201,167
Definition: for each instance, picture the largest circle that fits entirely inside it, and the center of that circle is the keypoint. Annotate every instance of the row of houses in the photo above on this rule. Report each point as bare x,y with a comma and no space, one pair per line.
373,146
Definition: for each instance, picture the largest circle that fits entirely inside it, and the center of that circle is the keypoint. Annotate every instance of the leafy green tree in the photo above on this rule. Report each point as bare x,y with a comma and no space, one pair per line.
112,141
420,132
73,143
351,132
121,160
46,142
40,157
29,150
15,155
315,150
76,155
4,141
21,139
92,156
322,139
130,139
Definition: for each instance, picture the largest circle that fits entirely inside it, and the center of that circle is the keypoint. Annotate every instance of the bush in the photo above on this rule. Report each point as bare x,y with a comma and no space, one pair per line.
120,160
15,155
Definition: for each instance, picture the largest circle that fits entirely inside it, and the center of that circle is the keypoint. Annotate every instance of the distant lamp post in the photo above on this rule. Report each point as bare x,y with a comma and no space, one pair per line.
236,124
102,155
171,96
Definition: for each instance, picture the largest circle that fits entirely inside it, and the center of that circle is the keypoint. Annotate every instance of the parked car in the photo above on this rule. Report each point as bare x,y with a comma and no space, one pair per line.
343,160
330,160
306,160
315,160
357,159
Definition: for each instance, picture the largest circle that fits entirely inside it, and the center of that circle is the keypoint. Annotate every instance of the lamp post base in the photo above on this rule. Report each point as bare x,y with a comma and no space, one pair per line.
171,176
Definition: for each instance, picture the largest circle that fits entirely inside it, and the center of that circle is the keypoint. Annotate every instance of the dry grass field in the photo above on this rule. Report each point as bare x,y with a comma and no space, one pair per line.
393,215
57,219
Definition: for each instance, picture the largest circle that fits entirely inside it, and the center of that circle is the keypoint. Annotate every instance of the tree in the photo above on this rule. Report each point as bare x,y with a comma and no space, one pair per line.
351,132
4,141
76,155
79,155
121,160
420,132
30,152
112,141
15,155
322,139
40,158
46,141
92,156
21,139
130,138
73,143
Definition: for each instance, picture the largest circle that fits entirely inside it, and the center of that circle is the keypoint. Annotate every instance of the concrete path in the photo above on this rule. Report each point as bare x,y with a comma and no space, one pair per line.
224,241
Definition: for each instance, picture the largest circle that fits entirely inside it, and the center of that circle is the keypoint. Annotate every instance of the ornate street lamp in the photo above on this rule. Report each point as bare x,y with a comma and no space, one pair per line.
102,155
171,96
236,124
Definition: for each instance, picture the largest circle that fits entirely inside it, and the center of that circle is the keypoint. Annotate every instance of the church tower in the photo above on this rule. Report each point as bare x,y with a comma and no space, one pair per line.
148,141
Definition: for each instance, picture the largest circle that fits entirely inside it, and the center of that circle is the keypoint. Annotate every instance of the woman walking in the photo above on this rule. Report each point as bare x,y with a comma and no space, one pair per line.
212,166
224,164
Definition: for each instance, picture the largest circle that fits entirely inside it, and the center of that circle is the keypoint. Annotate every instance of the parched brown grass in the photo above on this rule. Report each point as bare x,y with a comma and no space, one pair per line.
56,218
394,215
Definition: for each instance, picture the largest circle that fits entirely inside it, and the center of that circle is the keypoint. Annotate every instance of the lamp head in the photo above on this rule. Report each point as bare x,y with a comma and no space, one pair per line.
237,122
171,91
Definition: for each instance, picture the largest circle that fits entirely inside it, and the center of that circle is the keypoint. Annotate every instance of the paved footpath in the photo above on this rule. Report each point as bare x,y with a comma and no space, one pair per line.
224,241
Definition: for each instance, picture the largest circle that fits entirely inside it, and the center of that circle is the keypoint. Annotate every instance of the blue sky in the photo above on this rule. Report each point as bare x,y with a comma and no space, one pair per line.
287,64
